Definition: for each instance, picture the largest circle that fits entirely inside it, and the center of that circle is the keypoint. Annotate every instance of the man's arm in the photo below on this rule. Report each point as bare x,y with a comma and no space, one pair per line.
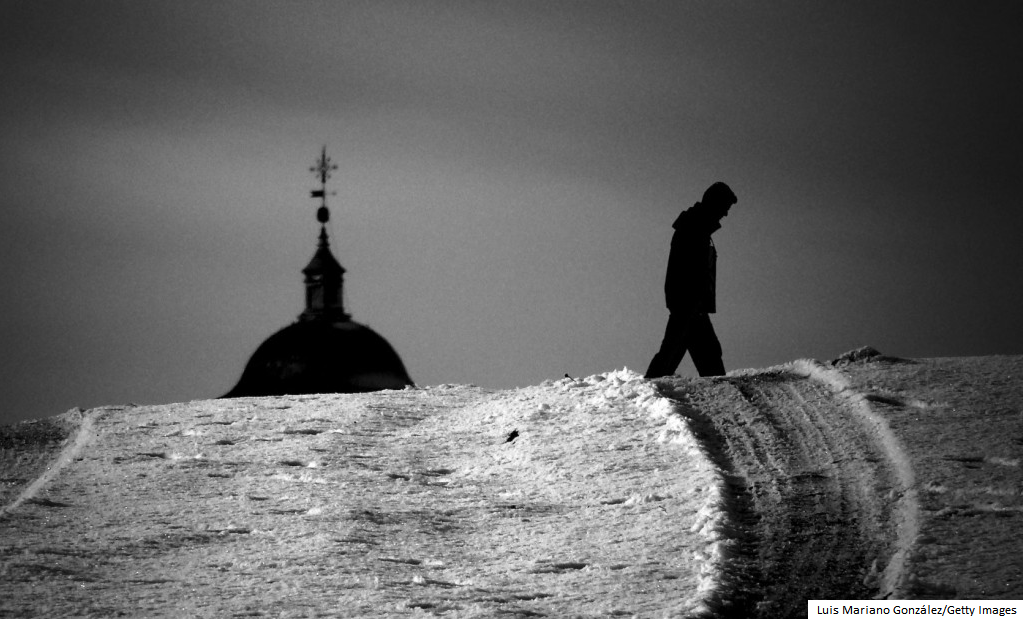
687,273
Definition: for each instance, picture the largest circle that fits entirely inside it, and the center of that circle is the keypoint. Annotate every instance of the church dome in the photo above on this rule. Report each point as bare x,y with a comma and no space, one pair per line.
324,351
317,356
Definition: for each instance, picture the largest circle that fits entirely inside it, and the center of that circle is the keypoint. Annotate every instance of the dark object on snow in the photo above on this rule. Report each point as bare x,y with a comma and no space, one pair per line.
689,288
512,436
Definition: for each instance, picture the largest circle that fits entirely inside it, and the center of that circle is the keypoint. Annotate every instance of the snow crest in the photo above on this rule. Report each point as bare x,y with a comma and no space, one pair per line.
612,449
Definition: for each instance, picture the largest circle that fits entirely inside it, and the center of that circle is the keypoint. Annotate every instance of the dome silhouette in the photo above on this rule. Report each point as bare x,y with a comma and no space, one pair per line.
320,356
324,351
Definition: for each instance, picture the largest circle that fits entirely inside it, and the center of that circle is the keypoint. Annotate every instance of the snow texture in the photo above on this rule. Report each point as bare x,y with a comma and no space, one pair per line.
607,444
577,497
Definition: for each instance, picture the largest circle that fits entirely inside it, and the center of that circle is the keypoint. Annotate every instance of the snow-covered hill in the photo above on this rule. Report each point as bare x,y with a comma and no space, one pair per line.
605,496
586,496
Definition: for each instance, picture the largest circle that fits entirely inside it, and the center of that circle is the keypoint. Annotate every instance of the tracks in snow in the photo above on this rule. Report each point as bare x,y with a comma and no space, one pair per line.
819,490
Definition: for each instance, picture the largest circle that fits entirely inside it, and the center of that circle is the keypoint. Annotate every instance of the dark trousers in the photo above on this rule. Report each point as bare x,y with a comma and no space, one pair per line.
692,332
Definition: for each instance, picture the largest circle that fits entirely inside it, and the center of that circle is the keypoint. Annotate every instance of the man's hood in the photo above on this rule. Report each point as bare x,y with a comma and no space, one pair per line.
697,218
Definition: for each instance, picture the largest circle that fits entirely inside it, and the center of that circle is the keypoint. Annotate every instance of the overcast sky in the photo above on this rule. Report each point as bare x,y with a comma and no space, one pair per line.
509,172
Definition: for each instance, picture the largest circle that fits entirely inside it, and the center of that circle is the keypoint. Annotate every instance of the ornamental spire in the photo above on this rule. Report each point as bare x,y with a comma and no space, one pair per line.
324,275
323,168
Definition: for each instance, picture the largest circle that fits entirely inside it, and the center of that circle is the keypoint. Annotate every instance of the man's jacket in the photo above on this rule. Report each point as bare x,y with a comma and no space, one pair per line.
692,263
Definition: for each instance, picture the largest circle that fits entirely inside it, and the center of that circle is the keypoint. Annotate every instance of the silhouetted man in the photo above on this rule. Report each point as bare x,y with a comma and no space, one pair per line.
689,288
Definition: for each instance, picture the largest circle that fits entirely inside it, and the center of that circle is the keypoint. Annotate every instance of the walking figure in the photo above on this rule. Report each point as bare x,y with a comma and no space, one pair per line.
689,288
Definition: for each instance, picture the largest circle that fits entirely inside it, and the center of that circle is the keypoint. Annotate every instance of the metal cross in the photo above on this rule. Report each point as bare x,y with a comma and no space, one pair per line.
324,166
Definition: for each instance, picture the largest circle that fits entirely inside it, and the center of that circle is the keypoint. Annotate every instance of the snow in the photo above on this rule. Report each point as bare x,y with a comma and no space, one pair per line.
618,457
588,496
907,510
959,422
593,496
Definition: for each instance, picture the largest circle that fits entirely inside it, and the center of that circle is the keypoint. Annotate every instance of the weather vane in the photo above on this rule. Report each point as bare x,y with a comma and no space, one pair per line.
324,166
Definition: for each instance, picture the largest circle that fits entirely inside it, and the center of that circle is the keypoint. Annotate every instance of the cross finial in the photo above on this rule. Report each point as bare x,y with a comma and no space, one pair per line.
324,166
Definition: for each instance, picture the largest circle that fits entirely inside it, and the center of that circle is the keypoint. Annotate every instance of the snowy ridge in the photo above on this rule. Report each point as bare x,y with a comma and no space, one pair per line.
651,461
711,516
710,524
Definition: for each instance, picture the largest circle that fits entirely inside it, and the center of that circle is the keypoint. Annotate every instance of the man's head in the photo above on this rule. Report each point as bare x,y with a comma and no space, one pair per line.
719,198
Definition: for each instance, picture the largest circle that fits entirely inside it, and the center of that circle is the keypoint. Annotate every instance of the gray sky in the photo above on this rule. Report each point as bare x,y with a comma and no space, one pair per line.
509,172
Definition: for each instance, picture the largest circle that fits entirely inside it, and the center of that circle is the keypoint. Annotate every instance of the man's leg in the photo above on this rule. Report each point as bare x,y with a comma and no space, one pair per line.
673,347
704,347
